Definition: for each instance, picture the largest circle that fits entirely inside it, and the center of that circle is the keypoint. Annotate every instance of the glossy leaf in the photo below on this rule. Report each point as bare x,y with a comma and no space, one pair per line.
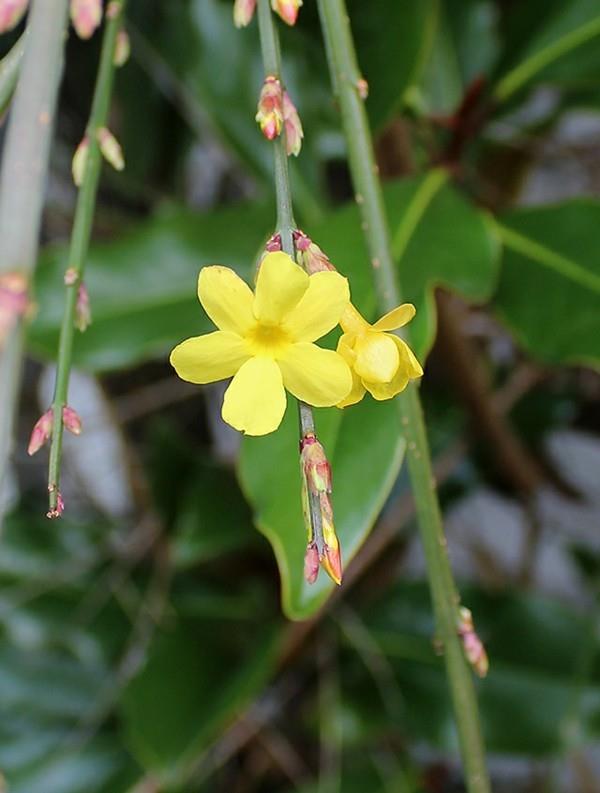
197,676
549,289
364,445
143,285
439,239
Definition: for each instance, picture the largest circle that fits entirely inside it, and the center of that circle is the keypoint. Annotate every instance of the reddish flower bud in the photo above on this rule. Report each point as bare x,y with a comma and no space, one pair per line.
57,505
42,430
362,86
287,9
80,159
311,563
243,11
270,108
71,420
273,244
331,558
86,15
122,49
315,464
310,256
11,12
473,646
110,148
83,312
14,302
293,126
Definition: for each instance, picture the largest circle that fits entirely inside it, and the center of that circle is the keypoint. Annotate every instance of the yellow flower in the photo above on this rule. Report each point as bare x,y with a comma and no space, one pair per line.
381,363
265,340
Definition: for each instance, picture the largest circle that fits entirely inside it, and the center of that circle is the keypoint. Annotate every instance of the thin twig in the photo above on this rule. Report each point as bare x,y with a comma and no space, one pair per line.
349,85
80,238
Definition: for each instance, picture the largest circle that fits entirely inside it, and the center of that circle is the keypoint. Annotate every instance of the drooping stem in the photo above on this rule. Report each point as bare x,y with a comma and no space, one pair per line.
348,87
269,42
80,238
23,177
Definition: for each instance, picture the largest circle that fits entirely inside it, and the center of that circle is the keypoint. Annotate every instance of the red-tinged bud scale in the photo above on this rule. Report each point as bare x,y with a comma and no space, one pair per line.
270,108
474,650
310,256
293,127
42,430
57,510
83,311
71,420
311,563
273,244
71,276
315,464
86,15
243,11
14,302
287,10
11,12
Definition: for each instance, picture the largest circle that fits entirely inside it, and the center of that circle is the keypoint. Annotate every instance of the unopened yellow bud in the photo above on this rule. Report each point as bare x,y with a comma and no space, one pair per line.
270,108
287,10
122,49
110,148
86,15
243,11
79,162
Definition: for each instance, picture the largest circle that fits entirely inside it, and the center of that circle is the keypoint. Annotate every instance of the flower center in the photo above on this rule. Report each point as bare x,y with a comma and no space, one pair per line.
268,340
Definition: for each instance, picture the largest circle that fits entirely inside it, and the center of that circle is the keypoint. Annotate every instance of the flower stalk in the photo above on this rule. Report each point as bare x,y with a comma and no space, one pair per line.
349,88
269,42
22,179
84,212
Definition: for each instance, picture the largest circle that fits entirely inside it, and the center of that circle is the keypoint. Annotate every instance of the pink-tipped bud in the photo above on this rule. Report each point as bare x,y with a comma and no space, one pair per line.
310,256
472,645
83,311
86,15
331,558
57,504
41,432
79,162
71,420
14,302
287,9
122,49
243,11
315,465
11,13
293,126
273,244
331,562
270,108
311,563
110,148
362,86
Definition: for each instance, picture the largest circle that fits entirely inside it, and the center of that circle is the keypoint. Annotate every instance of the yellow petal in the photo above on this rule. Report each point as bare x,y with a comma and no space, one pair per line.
204,359
396,318
226,299
319,377
357,391
255,401
279,286
377,357
408,360
383,391
320,308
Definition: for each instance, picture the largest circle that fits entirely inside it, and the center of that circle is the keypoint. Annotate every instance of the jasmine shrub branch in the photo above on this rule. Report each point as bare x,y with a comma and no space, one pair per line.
349,85
269,42
80,238
22,181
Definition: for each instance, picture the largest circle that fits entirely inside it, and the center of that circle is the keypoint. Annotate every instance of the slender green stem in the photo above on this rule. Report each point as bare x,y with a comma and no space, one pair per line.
10,66
269,42
80,238
346,76
23,177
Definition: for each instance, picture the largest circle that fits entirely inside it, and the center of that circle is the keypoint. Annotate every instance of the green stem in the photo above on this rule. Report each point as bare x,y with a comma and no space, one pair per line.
346,76
269,42
23,177
10,66
80,238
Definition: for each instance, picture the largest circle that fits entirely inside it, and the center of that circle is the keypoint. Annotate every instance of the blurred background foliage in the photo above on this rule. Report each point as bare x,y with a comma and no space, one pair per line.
145,646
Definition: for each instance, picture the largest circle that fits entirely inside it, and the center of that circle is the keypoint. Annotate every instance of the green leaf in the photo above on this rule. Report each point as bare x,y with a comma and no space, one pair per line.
393,43
569,26
364,446
549,289
438,239
143,286
197,676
